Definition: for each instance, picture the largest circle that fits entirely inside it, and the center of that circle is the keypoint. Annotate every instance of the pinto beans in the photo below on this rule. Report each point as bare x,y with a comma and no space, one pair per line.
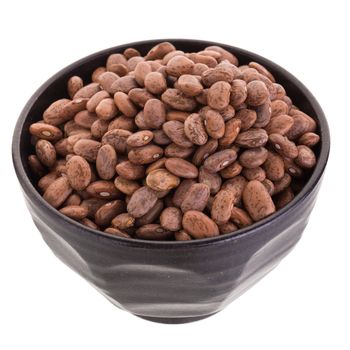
172,145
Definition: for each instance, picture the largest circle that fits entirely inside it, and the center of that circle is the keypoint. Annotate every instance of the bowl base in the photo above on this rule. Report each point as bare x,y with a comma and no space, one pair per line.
175,320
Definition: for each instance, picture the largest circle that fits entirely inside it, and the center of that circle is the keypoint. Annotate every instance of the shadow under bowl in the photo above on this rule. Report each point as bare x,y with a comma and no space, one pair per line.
169,282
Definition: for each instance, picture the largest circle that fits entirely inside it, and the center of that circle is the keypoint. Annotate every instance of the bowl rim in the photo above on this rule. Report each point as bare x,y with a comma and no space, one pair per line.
242,233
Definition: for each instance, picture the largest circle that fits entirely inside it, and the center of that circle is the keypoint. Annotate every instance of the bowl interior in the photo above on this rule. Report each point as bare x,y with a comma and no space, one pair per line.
55,88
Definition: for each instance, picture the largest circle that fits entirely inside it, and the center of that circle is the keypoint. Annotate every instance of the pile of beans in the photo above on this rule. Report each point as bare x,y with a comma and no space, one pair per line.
172,145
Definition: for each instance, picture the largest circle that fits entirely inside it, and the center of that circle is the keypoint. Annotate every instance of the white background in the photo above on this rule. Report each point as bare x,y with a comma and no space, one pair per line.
303,303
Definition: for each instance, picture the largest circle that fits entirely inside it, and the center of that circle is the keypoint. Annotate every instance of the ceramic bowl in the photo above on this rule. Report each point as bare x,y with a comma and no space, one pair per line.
169,282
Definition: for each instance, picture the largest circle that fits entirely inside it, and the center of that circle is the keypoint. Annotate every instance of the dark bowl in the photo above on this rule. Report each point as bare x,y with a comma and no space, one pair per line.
169,282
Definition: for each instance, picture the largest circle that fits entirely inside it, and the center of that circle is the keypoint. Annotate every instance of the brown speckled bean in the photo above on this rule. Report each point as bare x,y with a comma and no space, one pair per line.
257,93
106,161
78,172
198,225
214,123
130,171
153,232
306,157
254,137
171,219
257,200
240,217
219,95
162,180
194,129
181,168
108,211
45,152
140,138
220,160
103,189
222,206
154,113
58,191
141,201
196,197
283,145
145,154
274,166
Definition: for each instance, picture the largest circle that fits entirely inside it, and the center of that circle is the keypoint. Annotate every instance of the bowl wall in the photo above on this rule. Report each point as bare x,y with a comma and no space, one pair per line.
170,282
